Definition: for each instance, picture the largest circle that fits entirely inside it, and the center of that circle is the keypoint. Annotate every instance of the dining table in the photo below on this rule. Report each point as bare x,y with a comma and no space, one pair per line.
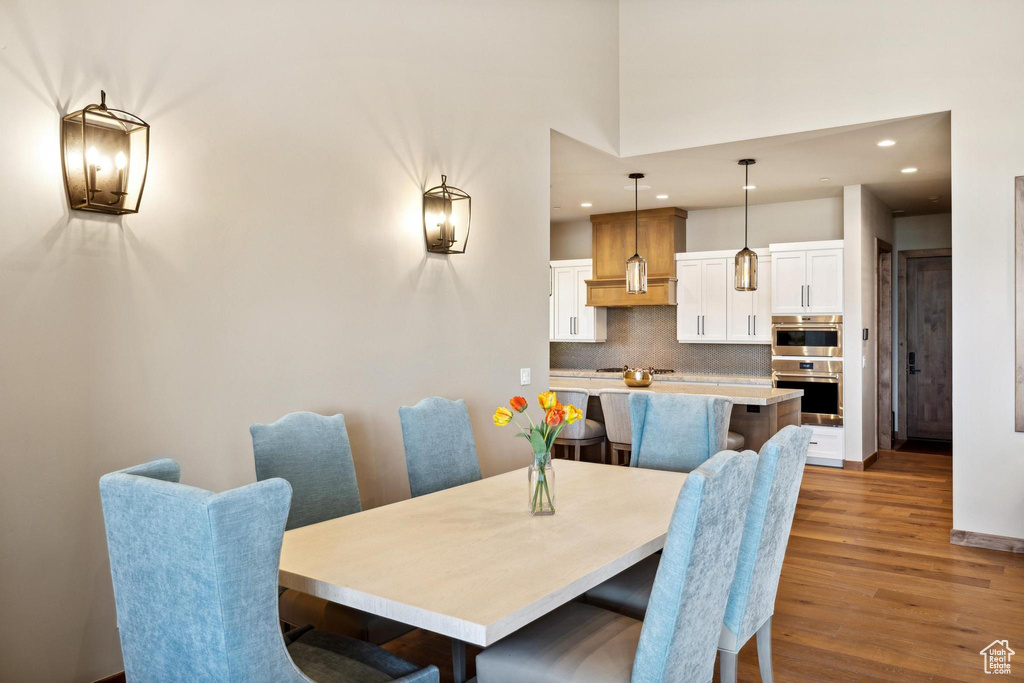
471,562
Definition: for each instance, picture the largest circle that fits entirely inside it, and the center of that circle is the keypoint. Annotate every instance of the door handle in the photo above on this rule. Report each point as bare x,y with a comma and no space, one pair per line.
703,326
801,296
808,296
748,325
755,324
698,325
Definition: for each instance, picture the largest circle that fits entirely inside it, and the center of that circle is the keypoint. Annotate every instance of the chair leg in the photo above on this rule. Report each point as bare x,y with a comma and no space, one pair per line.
727,666
764,650
458,660
577,453
604,452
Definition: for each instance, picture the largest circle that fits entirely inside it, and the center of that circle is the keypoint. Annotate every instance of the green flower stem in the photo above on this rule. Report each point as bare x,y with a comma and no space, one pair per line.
548,492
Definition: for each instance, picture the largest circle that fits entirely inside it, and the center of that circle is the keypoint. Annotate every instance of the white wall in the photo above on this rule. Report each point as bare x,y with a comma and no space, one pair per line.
813,219
808,65
713,229
933,231
278,261
572,239
866,219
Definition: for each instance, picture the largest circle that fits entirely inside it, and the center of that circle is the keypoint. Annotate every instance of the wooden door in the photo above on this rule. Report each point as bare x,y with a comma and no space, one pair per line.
824,292
689,297
715,283
789,272
564,303
929,348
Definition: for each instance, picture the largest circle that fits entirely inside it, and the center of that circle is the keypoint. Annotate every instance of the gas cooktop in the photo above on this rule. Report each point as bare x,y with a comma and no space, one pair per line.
656,371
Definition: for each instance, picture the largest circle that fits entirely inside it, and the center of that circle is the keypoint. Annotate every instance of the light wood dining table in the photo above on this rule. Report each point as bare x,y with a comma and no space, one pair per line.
472,563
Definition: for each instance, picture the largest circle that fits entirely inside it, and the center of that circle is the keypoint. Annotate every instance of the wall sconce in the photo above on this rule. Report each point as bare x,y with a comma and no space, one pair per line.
446,214
105,155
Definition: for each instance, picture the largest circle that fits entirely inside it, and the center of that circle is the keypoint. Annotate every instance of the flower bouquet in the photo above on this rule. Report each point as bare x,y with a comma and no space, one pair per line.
541,475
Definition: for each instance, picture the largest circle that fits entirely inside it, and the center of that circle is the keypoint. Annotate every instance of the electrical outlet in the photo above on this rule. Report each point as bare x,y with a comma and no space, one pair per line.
863,361
524,377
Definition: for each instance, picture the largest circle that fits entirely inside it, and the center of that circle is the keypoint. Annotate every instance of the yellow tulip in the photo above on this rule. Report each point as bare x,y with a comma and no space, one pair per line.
502,416
547,400
572,413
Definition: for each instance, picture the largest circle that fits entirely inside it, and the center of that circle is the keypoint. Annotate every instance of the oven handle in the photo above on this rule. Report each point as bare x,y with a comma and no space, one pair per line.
809,378
797,326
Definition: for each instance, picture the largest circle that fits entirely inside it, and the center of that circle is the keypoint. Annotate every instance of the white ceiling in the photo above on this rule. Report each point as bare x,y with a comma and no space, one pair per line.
788,169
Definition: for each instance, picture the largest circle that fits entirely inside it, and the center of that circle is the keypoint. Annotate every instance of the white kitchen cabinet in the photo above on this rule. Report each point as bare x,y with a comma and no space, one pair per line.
826,447
807,277
702,295
750,313
570,317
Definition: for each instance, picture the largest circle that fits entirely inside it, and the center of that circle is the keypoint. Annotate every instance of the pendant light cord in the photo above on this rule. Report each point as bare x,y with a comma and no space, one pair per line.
746,196
636,216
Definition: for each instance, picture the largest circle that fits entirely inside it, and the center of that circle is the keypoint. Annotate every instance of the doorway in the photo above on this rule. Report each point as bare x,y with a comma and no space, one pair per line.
925,401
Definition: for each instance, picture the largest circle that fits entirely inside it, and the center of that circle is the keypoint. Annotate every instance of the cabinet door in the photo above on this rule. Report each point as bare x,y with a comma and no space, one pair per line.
564,302
688,296
824,281
761,327
715,285
740,326
788,276
585,315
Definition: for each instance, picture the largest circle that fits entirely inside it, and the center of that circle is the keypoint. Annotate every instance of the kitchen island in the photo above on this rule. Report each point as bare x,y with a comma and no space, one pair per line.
758,412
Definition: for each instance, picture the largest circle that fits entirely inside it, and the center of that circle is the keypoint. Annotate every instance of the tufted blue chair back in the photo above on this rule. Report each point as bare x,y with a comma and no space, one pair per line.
440,451
312,453
679,638
677,432
195,576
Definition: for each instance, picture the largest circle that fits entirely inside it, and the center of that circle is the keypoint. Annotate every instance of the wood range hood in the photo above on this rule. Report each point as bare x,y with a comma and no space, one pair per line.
662,234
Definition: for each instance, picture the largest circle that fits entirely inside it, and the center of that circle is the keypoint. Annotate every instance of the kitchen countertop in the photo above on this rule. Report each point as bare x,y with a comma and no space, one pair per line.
753,380
750,396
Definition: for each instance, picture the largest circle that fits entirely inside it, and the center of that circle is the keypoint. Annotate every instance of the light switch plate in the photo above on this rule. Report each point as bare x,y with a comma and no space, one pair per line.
524,377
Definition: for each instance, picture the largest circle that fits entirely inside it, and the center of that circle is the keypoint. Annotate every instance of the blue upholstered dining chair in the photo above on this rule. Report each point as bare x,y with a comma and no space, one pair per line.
195,586
312,453
677,639
677,431
440,451
769,519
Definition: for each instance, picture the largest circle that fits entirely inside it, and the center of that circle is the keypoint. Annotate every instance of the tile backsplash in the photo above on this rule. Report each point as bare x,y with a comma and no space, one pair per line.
645,336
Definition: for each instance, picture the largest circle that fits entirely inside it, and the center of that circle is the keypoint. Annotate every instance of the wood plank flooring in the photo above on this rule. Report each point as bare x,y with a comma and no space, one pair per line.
871,588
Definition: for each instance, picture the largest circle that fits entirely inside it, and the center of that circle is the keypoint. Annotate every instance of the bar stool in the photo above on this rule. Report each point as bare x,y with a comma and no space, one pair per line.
615,406
583,432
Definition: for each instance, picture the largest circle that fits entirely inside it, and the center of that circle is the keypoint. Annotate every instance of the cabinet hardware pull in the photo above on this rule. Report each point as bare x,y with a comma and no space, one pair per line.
801,296
808,296
748,325
698,325
755,324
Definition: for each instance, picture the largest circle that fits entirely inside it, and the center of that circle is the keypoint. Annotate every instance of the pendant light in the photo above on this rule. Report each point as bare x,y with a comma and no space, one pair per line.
636,266
746,259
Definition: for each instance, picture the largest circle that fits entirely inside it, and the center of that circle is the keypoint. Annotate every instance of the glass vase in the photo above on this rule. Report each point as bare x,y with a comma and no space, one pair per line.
541,498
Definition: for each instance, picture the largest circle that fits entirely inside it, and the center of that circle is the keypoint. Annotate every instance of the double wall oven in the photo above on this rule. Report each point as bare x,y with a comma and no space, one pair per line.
807,353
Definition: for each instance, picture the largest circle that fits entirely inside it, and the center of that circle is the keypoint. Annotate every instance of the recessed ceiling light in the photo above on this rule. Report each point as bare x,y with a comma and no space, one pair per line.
556,208
586,205
933,197
909,169
886,143
824,180
898,211
662,196
749,187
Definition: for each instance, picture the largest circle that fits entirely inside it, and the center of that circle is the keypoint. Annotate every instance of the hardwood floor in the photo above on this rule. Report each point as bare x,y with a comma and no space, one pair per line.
871,589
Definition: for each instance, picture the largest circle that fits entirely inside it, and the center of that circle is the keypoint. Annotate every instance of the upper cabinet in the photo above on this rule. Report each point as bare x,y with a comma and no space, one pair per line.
807,277
570,318
711,310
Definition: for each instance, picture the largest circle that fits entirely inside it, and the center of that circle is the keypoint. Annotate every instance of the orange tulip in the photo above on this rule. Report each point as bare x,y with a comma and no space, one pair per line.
555,415
502,416
547,400
518,403
572,413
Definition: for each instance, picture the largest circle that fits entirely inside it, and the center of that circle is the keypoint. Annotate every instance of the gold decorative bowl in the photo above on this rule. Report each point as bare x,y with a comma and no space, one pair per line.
638,377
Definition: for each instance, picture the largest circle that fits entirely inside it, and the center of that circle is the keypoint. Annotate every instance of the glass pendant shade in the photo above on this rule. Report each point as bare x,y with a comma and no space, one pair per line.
746,270
636,275
105,156
636,265
446,214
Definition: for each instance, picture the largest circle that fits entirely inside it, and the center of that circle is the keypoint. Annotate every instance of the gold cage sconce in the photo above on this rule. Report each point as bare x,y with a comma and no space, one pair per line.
105,156
446,215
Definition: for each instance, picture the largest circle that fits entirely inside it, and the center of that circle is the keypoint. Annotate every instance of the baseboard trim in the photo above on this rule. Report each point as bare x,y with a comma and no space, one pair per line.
974,539
860,465
113,678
